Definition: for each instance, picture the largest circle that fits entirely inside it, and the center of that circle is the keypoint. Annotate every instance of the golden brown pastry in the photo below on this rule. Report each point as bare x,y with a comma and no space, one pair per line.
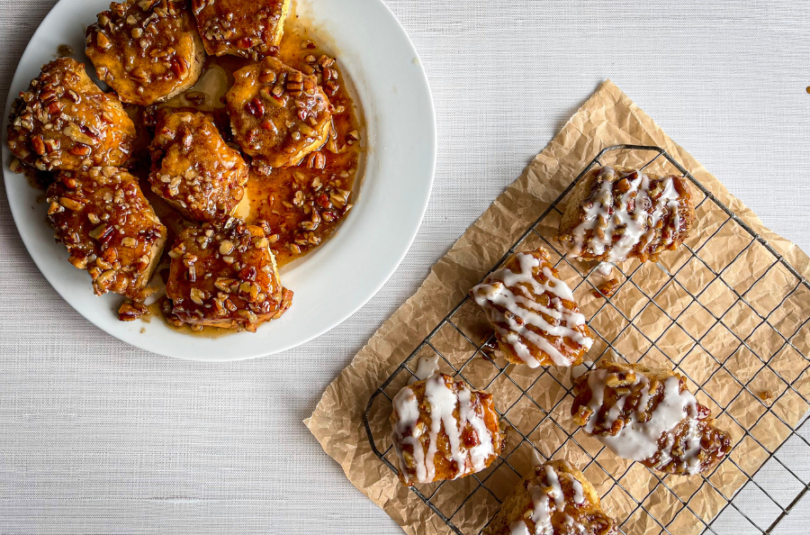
224,275
536,320
108,227
247,28
443,430
554,499
64,121
648,415
146,50
278,114
617,213
193,168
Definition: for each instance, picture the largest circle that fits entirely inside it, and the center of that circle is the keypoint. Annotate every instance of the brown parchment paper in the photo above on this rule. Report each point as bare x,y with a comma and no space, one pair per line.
719,365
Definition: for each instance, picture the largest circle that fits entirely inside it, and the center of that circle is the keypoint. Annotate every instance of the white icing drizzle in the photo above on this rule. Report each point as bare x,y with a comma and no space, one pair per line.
579,493
615,411
596,384
573,524
541,515
581,369
407,432
536,460
495,290
556,488
639,225
466,413
637,440
548,488
605,269
425,367
692,452
441,402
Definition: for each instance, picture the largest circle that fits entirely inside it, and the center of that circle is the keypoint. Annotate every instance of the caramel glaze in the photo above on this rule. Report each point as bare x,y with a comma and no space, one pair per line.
274,198
271,198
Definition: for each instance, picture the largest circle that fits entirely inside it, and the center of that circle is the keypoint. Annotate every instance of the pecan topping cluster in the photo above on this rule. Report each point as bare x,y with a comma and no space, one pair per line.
65,122
278,114
108,227
224,275
147,50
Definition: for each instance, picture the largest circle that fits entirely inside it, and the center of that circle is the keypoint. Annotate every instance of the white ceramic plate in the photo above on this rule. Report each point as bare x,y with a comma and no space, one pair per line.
331,283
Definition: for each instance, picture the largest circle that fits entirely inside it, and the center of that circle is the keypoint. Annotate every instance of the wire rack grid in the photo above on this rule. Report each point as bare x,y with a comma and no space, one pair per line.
759,408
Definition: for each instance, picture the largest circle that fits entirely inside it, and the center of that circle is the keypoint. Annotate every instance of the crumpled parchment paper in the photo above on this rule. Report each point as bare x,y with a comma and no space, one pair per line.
747,385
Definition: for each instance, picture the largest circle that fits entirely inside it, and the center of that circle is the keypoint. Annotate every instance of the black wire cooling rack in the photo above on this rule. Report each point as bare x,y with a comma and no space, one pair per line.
698,325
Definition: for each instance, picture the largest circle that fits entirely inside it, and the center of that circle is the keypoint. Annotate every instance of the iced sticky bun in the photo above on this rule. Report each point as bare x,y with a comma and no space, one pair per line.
536,320
554,499
617,213
648,415
443,430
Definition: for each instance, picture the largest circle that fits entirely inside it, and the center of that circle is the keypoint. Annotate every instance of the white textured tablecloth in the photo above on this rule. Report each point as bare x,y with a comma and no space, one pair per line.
98,437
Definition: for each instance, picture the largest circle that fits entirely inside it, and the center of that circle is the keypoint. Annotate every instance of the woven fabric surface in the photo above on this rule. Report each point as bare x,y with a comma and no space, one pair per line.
98,437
